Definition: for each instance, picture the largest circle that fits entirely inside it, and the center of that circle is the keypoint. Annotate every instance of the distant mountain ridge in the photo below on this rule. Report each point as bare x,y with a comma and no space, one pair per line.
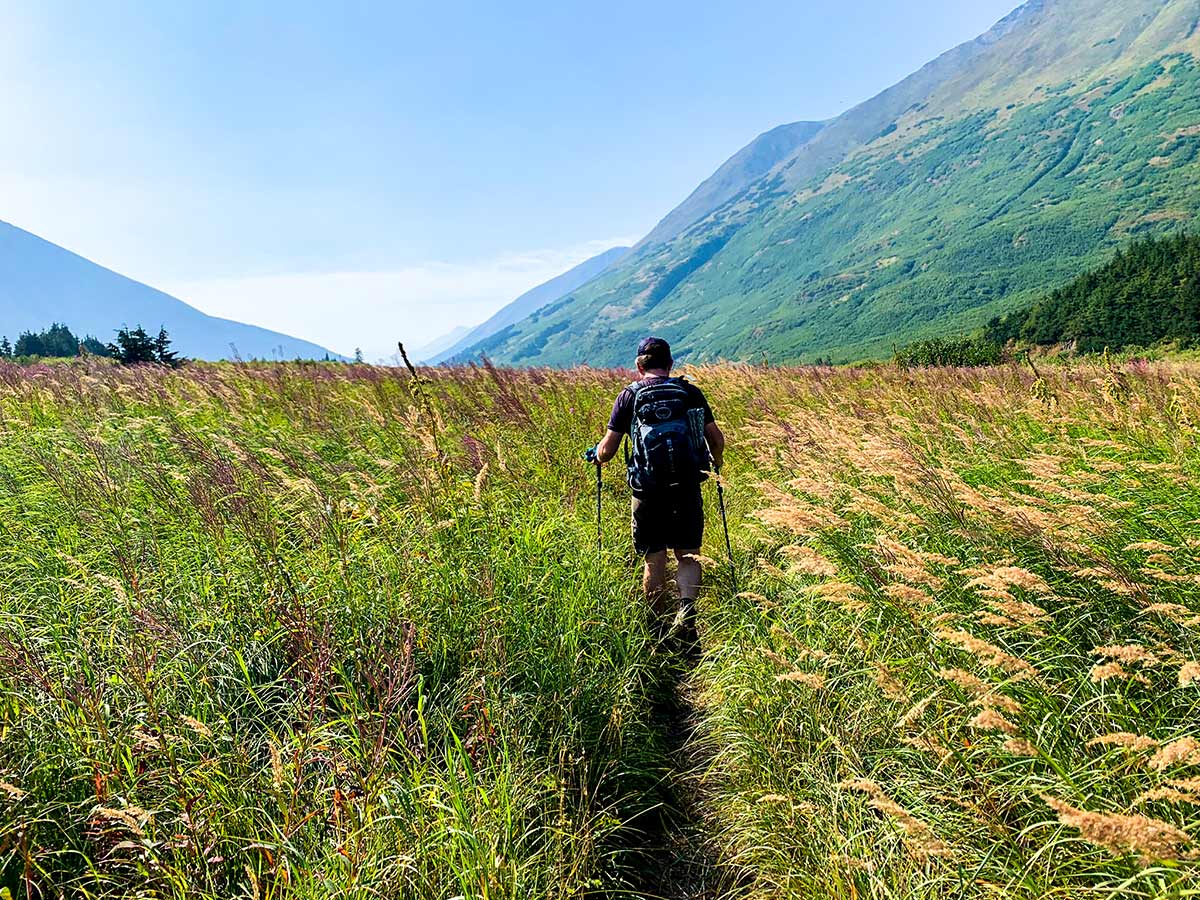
531,302
42,283
736,174
999,171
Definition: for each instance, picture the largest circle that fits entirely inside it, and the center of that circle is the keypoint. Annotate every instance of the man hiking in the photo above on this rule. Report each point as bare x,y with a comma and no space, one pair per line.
674,440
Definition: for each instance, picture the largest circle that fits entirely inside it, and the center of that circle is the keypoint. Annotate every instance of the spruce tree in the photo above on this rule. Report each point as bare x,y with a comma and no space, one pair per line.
163,352
133,347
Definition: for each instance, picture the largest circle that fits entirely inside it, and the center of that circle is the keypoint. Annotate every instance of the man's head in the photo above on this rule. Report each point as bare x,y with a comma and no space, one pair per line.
654,353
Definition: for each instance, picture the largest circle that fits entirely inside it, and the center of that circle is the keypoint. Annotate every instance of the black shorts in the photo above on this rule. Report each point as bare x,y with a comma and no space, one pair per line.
671,519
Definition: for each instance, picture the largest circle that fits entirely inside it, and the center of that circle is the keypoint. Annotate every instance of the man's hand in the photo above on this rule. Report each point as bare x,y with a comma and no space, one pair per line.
716,444
589,455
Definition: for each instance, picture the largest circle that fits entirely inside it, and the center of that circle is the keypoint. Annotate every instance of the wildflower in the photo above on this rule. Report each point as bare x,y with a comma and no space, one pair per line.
1149,839
1185,751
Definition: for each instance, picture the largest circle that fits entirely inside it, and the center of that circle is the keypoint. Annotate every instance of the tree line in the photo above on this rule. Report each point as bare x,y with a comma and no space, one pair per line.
1147,294
132,346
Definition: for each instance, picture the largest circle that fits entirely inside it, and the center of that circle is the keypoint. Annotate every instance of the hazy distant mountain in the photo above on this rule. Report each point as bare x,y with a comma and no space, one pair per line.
41,283
427,352
737,173
1001,170
534,300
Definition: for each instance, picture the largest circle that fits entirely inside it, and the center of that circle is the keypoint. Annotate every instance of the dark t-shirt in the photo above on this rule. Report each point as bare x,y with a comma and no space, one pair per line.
622,413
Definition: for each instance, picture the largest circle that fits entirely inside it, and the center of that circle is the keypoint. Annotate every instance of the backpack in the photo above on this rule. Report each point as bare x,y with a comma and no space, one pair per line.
667,433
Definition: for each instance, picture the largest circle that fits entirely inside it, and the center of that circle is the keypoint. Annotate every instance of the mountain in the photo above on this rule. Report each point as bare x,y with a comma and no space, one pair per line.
41,283
441,344
1149,292
736,174
532,301
998,172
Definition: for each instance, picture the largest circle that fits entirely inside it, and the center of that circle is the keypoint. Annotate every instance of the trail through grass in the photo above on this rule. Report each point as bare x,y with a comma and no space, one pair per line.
321,630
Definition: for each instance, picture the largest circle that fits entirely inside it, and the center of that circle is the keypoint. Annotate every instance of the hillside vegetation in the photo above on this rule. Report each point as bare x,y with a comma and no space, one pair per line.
1149,293
998,173
313,630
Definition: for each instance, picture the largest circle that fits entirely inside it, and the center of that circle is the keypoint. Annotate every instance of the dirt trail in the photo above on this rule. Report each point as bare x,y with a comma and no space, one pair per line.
679,863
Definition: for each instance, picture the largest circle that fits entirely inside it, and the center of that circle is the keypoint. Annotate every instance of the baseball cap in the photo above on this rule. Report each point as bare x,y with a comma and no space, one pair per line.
655,347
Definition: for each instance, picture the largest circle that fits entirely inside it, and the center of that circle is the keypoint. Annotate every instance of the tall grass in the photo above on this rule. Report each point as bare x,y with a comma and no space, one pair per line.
323,630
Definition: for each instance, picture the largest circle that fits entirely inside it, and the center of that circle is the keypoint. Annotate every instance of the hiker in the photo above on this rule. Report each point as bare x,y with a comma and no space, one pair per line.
674,438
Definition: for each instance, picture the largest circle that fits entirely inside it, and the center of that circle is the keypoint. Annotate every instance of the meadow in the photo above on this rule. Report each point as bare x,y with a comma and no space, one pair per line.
316,630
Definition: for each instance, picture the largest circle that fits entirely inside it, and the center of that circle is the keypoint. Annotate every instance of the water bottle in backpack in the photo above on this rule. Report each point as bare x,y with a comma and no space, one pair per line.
667,434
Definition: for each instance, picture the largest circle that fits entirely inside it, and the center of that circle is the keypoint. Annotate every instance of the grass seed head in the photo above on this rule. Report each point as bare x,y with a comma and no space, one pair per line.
1148,839
1183,752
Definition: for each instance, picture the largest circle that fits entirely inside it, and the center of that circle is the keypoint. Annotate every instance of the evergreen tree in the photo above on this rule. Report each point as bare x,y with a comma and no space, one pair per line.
1148,293
358,355
6,349
134,347
95,347
163,352
29,344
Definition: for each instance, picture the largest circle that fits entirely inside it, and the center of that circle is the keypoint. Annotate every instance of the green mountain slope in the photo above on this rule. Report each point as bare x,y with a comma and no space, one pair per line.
530,302
1149,292
736,174
998,172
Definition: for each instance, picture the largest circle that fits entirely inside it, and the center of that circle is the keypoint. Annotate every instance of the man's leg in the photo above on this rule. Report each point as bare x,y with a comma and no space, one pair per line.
688,576
654,582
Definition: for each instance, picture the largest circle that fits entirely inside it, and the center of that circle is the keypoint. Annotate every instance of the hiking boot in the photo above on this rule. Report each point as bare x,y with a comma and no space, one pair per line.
661,632
685,632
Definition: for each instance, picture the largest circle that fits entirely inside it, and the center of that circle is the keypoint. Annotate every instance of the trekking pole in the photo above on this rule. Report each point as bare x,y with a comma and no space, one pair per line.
590,456
725,524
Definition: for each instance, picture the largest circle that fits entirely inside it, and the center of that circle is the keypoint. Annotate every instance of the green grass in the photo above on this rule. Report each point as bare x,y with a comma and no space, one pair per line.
311,631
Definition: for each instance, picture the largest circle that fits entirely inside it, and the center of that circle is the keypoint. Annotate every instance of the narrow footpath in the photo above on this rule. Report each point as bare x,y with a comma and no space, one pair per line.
678,860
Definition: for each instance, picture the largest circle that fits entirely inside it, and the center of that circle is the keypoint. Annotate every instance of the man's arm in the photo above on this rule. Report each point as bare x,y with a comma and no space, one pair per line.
608,447
716,443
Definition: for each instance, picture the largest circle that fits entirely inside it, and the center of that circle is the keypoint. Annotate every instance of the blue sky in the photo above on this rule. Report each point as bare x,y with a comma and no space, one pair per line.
357,173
